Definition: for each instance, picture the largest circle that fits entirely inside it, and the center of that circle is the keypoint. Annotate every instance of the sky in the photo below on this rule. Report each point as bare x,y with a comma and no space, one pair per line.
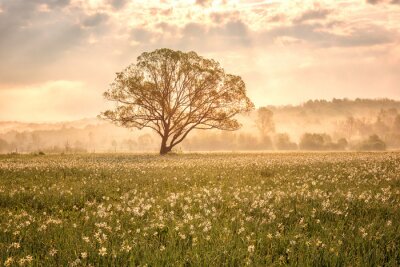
57,57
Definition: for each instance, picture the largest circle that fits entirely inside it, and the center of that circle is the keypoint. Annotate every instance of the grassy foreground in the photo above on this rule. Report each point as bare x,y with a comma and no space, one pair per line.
300,209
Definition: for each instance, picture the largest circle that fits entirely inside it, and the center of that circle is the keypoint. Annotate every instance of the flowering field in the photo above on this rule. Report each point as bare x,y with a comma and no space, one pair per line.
310,209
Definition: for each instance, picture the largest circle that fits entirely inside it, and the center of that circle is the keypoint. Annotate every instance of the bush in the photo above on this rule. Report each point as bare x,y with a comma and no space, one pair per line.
341,144
373,143
315,141
4,146
282,142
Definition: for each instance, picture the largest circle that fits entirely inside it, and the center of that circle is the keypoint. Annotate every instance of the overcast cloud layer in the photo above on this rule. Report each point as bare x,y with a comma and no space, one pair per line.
58,56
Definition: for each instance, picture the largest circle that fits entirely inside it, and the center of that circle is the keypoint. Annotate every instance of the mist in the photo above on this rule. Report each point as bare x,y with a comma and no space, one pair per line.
316,125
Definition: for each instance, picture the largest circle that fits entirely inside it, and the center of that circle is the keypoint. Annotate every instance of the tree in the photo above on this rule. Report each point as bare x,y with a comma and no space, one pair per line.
265,122
342,144
173,93
283,142
314,141
114,144
349,125
4,146
145,141
372,143
396,124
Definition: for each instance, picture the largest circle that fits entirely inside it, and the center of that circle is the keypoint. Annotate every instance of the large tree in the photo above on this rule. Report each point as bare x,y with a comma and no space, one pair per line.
173,93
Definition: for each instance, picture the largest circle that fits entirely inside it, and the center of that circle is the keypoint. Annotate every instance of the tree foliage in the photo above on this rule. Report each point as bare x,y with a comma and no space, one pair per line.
318,141
283,142
265,121
174,93
372,143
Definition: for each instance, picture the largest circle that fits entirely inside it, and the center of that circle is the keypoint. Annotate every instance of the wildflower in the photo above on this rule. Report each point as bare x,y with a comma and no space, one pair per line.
251,248
15,245
125,247
8,261
75,262
29,258
182,236
103,251
53,252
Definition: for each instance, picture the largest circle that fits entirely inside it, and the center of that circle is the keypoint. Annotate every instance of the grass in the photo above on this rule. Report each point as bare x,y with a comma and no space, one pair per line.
296,209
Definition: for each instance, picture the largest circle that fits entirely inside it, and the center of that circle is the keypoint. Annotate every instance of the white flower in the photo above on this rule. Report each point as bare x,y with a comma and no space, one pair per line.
15,245
53,252
9,261
103,251
182,236
251,248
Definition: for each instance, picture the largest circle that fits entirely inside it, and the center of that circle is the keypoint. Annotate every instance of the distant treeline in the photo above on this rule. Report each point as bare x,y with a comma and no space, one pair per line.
339,107
340,124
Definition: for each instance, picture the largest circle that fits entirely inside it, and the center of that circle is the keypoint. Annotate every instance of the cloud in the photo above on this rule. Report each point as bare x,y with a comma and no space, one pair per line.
277,18
28,55
228,36
142,35
95,20
196,30
58,3
222,17
367,36
53,99
118,4
317,34
87,41
374,2
237,29
32,42
155,11
203,3
315,14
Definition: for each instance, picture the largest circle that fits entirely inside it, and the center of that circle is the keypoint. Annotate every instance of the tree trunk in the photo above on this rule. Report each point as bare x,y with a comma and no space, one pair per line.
164,148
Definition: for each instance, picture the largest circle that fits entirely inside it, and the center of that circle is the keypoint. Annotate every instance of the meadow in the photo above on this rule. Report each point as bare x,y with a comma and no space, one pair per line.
226,209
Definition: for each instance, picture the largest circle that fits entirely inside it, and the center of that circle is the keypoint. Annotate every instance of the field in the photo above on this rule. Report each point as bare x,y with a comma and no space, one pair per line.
297,209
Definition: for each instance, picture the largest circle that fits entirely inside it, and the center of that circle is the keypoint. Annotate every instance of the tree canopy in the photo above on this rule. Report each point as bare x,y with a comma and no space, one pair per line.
173,93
